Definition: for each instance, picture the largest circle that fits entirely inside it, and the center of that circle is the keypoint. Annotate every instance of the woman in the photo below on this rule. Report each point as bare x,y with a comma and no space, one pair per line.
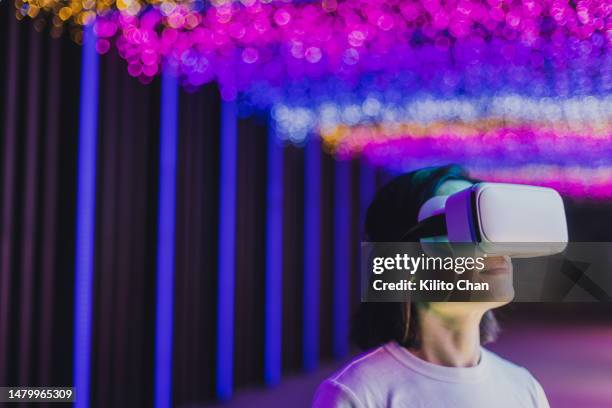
427,354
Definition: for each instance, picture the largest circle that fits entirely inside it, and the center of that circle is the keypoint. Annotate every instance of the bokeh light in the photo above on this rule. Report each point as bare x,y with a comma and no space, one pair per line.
497,85
454,45
340,123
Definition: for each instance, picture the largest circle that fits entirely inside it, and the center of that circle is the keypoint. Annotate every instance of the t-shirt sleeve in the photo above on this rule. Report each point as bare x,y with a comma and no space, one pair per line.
332,394
541,400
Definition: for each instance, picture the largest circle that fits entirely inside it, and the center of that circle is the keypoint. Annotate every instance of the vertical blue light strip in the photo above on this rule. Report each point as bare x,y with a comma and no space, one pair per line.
165,240
227,249
85,222
342,225
312,253
274,262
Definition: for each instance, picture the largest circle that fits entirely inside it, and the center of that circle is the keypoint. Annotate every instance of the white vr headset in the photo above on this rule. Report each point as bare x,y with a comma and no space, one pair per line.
498,219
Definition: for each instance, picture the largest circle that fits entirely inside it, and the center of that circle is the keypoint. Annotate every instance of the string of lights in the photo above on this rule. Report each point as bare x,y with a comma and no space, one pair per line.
457,43
492,84
78,13
352,123
574,181
576,164
451,46
499,146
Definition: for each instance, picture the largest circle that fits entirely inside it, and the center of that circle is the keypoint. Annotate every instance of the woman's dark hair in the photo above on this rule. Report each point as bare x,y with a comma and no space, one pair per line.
391,214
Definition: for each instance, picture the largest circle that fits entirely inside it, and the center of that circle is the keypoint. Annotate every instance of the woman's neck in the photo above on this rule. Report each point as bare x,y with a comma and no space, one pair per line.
452,341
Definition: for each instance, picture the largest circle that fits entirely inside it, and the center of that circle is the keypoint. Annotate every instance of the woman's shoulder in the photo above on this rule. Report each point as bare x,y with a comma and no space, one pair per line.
501,365
518,375
350,386
367,366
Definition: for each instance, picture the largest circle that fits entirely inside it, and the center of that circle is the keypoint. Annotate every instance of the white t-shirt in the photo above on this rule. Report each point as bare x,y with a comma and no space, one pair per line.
391,376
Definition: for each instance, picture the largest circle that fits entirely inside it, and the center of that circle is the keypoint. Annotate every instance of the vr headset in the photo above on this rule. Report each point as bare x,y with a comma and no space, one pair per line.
496,219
